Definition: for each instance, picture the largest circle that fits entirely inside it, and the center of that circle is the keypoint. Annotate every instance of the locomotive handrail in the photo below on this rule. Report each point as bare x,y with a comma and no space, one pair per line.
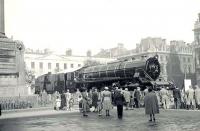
146,74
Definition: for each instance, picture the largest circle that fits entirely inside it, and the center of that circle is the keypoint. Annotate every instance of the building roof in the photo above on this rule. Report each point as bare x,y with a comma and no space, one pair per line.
69,70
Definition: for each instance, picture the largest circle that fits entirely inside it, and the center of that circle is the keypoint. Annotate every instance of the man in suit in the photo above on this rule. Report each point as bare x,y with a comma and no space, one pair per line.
190,98
137,96
119,100
164,98
84,101
197,96
177,97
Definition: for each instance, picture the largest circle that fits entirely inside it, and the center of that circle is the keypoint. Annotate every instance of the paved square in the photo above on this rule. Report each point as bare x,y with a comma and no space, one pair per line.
133,120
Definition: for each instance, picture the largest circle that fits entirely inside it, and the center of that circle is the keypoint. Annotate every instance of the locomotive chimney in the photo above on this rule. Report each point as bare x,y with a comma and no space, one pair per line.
2,28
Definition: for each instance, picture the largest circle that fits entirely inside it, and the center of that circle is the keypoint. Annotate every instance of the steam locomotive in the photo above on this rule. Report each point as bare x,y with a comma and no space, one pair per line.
126,73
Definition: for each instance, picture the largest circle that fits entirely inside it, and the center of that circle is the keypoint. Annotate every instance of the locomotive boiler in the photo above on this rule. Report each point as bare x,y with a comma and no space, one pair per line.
135,71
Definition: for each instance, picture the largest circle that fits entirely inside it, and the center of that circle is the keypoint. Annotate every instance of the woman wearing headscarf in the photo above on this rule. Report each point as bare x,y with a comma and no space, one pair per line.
106,99
151,104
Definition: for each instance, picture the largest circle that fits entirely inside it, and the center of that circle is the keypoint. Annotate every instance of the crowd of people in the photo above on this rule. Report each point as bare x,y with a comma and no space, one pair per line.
179,99
66,100
103,100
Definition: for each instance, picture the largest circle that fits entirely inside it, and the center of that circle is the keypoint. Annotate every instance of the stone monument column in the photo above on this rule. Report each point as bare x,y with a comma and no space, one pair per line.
12,73
2,28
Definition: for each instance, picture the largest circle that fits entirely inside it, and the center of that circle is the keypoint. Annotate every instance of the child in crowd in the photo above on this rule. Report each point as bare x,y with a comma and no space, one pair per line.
58,103
99,103
80,103
132,102
71,103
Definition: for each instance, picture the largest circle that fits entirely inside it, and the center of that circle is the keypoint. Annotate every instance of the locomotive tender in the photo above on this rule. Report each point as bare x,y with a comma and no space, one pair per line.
140,72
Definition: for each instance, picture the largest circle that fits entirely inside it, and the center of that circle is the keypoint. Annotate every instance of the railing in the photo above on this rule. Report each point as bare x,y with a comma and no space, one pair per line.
22,102
34,101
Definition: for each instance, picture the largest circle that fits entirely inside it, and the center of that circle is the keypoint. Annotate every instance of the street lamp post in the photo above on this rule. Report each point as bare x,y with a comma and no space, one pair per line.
185,75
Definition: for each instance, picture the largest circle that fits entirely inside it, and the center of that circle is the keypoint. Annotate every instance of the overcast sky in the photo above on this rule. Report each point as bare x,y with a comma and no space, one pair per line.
96,24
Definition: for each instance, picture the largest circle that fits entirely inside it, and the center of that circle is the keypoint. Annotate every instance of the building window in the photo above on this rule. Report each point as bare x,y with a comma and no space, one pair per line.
166,58
32,65
57,65
183,59
161,58
185,69
72,65
79,65
189,69
65,65
49,66
188,60
41,65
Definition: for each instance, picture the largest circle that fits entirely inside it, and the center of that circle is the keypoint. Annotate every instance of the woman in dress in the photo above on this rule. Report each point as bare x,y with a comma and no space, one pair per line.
58,103
107,106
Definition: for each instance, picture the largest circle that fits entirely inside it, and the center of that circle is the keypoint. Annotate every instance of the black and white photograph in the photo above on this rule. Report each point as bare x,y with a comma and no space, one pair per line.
99,65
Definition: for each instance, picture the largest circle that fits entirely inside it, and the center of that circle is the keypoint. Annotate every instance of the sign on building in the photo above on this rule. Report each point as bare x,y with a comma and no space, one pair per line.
187,83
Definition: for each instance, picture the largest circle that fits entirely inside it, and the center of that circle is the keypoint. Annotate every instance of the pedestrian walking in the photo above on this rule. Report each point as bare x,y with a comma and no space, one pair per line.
44,98
99,102
84,101
63,100
183,100
137,97
151,104
158,97
190,98
164,98
80,101
107,104
95,100
119,100
55,95
132,102
68,97
58,103
197,96
145,91
127,97
114,94
71,103
0,109
177,97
